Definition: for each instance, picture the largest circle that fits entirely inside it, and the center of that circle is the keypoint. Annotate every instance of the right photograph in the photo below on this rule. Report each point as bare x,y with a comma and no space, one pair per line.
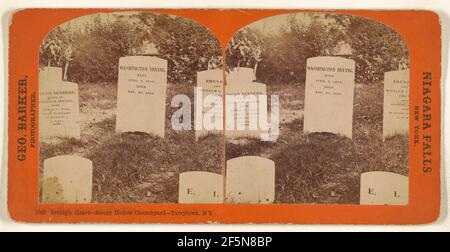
317,112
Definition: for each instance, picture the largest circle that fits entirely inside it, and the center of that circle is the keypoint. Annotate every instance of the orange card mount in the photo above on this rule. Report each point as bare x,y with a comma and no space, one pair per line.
224,116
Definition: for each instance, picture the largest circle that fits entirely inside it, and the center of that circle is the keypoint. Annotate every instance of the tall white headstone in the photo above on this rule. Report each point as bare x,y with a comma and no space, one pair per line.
199,187
67,179
141,96
396,103
59,110
384,188
211,82
329,94
250,179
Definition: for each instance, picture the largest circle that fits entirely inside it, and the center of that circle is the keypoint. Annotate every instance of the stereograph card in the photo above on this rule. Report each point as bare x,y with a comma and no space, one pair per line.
171,116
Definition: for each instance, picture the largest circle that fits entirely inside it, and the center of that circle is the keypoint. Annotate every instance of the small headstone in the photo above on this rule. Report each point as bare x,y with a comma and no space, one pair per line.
384,188
243,115
141,96
50,74
67,179
396,103
59,110
329,93
199,187
250,179
211,82
240,75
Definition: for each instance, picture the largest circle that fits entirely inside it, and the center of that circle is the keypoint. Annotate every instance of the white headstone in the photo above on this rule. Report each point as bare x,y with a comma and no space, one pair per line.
240,98
211,82
240,75
141,96
396,103
59,110
384,188
329,93
199,187
250,179
50,74
67,179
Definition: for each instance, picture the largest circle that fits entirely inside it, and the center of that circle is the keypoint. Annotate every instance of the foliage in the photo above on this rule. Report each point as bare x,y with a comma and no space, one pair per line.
186,45
244,49
57,50
96,45
375,47
52,48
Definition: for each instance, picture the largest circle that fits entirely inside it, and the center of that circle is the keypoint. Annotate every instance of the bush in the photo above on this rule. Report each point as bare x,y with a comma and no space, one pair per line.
281,56
91,52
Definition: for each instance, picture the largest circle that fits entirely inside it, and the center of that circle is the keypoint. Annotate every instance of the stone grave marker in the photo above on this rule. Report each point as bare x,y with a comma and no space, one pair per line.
211,82
396,103
200,187
50,74
239,116
384,188
240,75
250,179
67,179
59,110
329,94
141,95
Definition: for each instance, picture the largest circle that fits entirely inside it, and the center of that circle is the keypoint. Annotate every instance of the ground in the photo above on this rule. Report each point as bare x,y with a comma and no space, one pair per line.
322,167
313,168
132,167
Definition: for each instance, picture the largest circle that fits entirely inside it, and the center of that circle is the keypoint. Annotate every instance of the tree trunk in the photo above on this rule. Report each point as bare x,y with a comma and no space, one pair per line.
65,71
254,69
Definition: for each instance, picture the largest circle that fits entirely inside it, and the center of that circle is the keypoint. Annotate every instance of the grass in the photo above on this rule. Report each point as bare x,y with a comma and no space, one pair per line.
322,167
144,168
313,168
134,167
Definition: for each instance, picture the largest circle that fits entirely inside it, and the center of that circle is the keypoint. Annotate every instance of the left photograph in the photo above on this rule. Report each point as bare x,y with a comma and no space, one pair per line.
116,111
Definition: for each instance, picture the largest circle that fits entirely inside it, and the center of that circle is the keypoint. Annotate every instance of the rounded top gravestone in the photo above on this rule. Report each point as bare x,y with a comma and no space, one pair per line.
384,188
67,179
200,187
250,179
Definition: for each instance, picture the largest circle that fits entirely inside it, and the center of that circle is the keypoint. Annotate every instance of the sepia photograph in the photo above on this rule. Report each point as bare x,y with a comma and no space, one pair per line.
106,88
206,117
132,109
342,112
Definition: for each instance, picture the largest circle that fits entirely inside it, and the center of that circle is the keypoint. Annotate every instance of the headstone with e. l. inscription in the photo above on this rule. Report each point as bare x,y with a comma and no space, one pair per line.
384,188
396,103
211,82
200,187
67,179
250,179
59,110
329,94
141,95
